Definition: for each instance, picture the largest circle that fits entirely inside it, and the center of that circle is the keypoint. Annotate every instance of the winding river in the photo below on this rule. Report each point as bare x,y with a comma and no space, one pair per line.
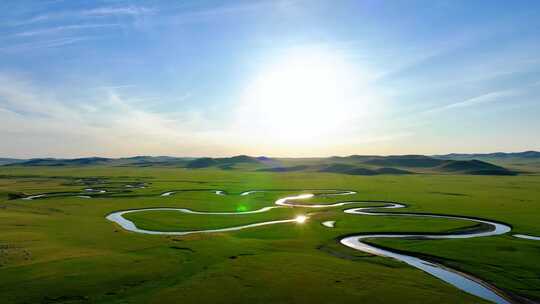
527,237
465,282
462,281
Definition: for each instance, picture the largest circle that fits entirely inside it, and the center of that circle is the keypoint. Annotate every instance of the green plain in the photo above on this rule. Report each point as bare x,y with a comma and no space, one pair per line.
62,249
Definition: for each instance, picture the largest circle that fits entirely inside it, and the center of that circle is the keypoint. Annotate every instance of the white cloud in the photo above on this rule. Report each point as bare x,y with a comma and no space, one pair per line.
477,100
131,10
36,123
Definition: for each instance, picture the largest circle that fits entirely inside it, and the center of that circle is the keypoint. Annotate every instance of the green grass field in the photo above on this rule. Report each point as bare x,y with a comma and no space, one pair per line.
61,249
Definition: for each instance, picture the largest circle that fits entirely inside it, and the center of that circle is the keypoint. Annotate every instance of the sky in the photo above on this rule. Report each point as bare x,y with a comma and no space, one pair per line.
295,78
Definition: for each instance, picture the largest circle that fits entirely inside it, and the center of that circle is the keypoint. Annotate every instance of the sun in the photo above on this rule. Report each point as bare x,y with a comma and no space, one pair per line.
298,98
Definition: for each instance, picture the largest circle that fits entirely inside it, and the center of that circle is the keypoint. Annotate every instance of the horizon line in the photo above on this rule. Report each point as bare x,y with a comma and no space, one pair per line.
256,156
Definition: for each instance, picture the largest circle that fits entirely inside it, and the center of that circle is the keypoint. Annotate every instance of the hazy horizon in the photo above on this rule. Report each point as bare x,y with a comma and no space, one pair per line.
287,78
257,155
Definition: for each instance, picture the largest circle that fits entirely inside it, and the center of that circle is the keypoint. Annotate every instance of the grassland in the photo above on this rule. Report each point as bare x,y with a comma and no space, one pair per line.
62,250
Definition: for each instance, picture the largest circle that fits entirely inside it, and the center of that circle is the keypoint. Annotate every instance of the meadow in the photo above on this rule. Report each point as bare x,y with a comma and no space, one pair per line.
61,249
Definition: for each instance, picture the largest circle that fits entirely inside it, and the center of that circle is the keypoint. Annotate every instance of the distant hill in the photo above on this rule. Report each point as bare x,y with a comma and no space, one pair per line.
350,165
392,171
475,167
336,168
404,161
146,161
133,161
65,162
526,162
407,164
354,170
6,161
204,162
101,161
284,169
526,154
224,163
426,162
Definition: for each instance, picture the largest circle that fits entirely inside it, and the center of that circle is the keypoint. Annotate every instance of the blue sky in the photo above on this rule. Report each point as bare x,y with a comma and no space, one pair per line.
278,78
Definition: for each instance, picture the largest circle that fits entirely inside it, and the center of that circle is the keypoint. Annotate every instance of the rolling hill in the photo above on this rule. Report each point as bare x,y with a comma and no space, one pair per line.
351,165
7,161
528,161
502,155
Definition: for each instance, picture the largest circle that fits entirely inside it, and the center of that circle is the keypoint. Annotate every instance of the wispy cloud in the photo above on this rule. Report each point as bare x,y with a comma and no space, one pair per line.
214,12
68,26
38,120
477,100
131,10
63,29
92,13
113,87
52,43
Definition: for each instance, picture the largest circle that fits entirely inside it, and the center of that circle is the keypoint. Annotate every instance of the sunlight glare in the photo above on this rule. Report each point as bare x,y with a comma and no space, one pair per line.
300,97
301,219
